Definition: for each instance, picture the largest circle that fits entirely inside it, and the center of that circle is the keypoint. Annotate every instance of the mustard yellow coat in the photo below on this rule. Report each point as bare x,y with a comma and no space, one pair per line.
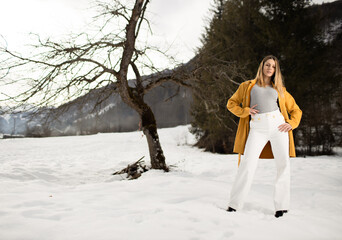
239,105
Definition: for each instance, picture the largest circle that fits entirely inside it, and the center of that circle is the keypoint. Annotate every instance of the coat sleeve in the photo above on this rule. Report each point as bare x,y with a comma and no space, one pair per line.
234,102
293,109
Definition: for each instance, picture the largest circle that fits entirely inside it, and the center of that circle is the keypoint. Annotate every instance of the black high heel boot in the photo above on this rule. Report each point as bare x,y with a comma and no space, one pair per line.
231,209
280,213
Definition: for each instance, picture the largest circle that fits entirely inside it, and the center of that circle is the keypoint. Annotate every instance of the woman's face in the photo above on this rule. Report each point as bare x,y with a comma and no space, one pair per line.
269,68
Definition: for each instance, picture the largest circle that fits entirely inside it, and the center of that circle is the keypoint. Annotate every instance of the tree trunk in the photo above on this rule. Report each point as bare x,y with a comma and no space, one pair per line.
149,126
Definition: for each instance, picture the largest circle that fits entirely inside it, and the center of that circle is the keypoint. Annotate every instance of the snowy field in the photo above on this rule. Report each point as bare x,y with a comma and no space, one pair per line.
62,189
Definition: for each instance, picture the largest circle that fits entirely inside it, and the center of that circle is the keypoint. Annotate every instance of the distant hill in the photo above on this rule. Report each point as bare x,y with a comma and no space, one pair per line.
169,102
115,116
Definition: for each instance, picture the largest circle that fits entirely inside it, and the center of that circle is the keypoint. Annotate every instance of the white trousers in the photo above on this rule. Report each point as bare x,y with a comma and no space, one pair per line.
264,128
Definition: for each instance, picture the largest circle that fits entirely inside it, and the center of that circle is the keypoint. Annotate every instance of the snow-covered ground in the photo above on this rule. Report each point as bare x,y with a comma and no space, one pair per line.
62,188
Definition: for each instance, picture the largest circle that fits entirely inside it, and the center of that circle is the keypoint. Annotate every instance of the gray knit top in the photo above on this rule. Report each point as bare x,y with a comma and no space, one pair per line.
265,97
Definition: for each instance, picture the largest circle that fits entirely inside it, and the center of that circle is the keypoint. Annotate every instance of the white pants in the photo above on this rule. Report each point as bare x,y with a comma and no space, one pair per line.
264,128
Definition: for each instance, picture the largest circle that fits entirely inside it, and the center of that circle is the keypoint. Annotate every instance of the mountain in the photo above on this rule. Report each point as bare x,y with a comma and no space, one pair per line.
169,102
115,116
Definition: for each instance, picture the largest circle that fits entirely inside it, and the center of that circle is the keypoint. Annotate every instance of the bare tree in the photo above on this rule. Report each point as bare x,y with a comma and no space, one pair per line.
97,64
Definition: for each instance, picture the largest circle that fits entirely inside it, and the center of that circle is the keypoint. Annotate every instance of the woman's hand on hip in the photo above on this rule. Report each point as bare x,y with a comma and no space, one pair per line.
285,127
253,111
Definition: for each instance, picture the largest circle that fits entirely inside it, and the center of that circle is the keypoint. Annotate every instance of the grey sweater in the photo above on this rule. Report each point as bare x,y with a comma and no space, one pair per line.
265,97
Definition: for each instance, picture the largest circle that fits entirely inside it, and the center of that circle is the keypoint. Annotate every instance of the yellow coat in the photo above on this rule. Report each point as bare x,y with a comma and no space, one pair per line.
239,105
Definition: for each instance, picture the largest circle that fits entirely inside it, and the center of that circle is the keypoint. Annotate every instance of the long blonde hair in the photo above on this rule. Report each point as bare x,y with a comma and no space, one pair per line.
276,79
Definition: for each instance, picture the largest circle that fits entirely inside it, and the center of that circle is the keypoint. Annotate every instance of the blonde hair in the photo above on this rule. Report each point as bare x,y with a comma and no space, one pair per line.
276,79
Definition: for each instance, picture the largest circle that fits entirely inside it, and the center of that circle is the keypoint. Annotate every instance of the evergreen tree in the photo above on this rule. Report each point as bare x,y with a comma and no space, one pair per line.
229,56
240,34
294,33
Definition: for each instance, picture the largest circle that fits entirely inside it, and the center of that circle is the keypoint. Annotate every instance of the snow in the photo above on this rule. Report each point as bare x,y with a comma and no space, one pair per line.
102,111
331,31
7,117
62,188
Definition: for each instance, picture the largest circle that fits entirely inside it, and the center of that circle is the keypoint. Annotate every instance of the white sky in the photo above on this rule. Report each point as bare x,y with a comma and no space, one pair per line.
176,24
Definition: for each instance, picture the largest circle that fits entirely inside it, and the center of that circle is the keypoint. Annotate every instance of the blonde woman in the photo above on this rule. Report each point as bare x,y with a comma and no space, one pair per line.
264,131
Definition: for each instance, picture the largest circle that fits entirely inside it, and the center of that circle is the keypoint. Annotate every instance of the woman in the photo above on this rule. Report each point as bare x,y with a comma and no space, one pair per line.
264,131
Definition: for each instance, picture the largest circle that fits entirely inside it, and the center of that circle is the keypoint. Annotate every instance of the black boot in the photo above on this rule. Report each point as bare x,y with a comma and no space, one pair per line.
280,213
231,209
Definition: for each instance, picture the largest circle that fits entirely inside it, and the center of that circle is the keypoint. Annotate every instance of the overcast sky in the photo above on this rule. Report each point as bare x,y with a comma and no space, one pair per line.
175,23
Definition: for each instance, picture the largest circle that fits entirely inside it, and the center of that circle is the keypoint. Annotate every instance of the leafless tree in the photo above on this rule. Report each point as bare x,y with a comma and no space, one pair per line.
61,71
